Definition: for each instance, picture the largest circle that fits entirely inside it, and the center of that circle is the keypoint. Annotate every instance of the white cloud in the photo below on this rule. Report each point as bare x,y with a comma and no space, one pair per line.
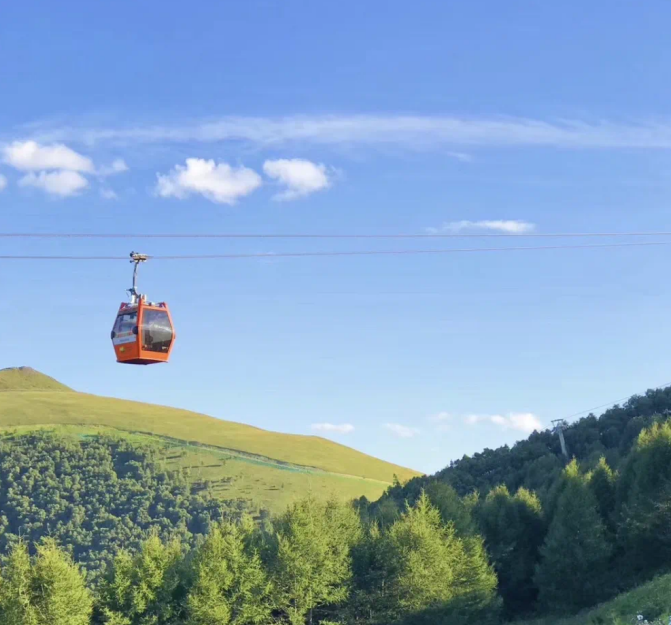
443,421
461,156
61,183
401,431
520,421
108,194
118,166
31,156
344,428
3,182
219,183
409,131
472,419
524,422
440,416
299,176
507,226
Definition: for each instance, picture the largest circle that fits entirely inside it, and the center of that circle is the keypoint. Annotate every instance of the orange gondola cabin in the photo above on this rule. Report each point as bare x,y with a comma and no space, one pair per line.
143,332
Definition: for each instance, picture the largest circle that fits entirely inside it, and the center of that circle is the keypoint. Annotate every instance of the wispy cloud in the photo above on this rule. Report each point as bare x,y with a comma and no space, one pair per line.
60,183
299,177
520,421
440,417
508,226
442,421
412,131
461,156
118,166
3,182
218,182
108,194
344,428
401,431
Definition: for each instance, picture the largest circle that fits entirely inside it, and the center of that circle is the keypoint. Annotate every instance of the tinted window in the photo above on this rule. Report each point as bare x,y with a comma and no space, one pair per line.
156,331
125,322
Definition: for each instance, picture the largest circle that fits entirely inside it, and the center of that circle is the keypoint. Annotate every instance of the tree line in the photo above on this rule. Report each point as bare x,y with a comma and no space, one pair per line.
96,494
316,563
562,534
476,543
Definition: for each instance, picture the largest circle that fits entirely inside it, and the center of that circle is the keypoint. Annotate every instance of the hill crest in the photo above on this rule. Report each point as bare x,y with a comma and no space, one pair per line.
25,408
28,379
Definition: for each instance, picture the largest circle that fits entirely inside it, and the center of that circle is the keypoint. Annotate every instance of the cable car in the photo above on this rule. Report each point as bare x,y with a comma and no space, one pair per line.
143,332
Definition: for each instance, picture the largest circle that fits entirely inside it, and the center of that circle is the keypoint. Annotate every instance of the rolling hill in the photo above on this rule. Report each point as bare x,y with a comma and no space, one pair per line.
266,468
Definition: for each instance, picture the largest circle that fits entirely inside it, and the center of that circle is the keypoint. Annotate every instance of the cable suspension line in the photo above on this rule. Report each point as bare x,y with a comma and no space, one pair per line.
340,253
438,235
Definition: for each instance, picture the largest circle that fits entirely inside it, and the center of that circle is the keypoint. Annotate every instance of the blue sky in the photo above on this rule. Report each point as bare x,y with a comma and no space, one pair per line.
348,117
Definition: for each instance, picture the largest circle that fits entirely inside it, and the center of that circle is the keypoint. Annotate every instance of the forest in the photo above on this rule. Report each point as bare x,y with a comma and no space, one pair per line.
94,531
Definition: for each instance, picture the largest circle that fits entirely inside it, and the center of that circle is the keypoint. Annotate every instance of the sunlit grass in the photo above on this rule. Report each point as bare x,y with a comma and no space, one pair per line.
268,468
651,600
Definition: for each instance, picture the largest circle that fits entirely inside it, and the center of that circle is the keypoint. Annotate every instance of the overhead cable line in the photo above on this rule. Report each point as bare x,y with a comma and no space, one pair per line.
340,253
437,235
615,402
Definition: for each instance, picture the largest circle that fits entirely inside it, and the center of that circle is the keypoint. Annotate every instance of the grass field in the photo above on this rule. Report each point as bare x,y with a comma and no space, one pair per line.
27,379
267,468
652,600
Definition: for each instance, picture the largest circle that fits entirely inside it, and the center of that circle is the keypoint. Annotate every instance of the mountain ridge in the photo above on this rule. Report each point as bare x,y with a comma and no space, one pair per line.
31,398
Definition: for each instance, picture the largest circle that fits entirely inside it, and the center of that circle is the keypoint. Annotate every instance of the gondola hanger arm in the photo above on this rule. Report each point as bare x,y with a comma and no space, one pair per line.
136,258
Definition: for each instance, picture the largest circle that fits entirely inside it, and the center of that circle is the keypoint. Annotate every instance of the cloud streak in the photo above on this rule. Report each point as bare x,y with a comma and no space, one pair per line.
401,431
343,428
412,131
507,226
521,421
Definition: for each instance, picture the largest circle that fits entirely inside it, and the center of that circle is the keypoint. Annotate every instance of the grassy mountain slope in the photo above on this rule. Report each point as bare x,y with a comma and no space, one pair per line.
265,467
652,600
27,379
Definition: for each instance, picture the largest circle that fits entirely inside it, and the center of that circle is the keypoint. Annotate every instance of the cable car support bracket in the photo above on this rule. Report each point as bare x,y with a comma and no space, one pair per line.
136,258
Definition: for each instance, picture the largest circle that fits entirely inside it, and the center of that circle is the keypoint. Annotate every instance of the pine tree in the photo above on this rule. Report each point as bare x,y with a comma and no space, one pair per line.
514,530
229,582
645,496
603,483
48,589
576,550
431,575
142,588
312,563
451,507
16,596
60,593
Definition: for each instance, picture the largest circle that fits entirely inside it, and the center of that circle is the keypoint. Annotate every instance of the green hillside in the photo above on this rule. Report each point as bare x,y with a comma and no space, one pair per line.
651,600
27,379
267,468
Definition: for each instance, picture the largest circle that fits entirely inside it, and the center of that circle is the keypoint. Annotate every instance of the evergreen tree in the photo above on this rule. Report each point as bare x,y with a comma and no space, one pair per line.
48,589
603,484
229,582
312,563
645,496
452,508
16,592
514,530
368,597
144,589
59,592
576,550
429,574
